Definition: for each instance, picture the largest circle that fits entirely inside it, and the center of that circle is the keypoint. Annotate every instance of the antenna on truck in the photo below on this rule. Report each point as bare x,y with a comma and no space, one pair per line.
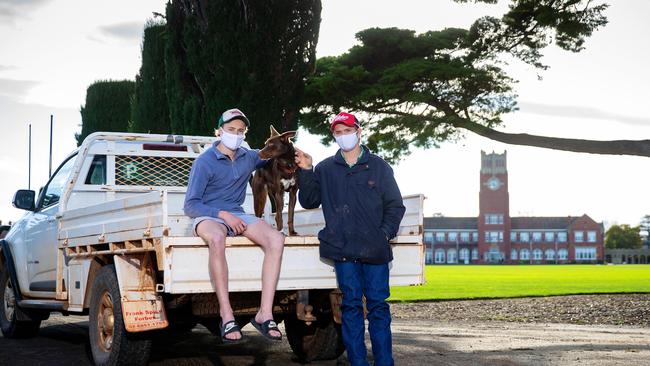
29,171
51,129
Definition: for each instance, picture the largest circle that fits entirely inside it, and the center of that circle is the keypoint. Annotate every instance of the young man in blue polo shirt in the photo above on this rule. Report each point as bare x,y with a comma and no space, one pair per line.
214,198
363,209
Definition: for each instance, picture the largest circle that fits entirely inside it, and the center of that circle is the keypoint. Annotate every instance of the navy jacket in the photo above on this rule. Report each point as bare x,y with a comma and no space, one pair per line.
362,206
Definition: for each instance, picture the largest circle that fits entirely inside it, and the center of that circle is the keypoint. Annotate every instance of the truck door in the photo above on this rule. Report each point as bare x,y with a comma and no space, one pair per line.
41,232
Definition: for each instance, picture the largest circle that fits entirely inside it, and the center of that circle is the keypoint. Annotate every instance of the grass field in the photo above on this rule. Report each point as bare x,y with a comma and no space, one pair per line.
475,282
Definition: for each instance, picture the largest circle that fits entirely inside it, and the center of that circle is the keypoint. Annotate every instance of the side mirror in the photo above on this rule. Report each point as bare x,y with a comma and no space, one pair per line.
24,199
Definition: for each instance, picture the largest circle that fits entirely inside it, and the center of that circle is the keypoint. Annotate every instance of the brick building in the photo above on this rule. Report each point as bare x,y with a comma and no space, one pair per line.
496,237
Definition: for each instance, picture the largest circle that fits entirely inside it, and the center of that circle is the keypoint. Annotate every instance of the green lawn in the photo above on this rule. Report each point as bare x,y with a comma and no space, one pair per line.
479,281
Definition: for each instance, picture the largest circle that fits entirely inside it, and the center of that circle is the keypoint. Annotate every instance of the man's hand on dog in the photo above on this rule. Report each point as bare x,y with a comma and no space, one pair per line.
236,224
303,159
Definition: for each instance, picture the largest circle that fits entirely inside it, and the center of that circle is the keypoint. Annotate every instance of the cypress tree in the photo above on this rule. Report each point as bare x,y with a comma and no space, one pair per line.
149,108
107,108
251,55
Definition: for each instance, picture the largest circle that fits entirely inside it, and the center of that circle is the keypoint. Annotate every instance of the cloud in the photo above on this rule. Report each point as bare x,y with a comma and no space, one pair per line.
7,67
95,39
579,112
124,30
16,89
10,10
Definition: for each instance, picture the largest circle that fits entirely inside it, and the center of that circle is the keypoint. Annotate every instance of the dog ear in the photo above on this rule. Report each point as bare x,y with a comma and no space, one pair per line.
289,134
273,132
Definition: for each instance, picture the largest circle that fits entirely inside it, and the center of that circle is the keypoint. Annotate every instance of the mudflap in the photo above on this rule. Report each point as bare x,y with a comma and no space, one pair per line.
142,308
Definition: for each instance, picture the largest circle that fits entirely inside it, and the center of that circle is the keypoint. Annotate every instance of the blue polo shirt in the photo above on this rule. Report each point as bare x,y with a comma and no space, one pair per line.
217,183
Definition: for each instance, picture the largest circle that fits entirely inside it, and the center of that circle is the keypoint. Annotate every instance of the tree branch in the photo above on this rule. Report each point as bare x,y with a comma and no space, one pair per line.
612,147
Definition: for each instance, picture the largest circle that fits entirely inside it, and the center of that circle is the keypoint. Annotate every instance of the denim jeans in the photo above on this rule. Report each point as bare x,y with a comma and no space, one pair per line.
355,280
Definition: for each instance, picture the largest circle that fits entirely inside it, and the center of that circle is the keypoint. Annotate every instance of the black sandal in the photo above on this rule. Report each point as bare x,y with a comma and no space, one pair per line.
230,327
265,327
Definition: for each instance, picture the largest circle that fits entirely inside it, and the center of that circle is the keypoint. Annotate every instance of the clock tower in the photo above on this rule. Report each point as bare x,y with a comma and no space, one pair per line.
494,210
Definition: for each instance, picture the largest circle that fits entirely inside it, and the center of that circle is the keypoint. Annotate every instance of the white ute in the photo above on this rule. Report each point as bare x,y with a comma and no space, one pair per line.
107,237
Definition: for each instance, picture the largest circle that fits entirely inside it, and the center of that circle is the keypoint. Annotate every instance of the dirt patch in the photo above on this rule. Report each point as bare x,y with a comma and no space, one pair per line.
619,309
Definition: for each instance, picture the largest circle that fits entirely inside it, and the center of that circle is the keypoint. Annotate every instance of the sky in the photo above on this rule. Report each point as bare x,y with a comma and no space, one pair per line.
52,50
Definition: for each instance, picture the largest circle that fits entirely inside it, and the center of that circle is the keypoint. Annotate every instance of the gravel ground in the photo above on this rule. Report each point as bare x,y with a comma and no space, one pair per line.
620,309
527,331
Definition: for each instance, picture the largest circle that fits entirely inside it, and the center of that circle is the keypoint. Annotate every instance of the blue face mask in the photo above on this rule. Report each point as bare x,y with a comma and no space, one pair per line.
347,142
231,141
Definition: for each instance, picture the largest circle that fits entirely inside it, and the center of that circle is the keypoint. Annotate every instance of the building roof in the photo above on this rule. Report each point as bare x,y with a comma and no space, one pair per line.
466,223
517,223
531,223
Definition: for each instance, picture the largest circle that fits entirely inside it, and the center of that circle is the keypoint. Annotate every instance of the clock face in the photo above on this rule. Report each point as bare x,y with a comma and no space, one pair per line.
493,183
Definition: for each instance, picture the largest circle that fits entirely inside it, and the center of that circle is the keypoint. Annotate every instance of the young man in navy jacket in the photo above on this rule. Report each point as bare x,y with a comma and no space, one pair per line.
363,209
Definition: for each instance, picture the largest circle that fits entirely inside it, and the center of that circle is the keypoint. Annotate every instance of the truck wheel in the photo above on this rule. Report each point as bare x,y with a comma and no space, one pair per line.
110,343
10,325
322,340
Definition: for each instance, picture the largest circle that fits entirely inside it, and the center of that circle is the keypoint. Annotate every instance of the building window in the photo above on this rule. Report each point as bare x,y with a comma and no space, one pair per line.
440,256
513,236
452,237
537,254
585,253
494,219
524,254
550,254
579,236
429,256
513,254
474,237
463,254
494,236
561,236
562,254
524,237
549,236
440,237
591,236
451,256
537,236
474,254
464,237
428,237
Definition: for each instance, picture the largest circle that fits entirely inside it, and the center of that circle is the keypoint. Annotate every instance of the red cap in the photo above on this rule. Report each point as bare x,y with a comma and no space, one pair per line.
346,118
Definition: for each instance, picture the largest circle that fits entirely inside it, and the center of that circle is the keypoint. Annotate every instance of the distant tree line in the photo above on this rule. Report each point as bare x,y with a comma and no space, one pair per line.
623,237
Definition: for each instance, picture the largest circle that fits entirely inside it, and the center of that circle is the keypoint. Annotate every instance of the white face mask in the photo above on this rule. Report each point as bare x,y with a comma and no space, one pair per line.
231,141
347,142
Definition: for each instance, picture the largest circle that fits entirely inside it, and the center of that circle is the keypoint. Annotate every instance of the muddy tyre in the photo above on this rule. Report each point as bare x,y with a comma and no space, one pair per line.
9,323
110,343
321,340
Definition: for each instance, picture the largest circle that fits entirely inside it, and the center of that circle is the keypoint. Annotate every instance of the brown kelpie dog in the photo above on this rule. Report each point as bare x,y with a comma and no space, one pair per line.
277,177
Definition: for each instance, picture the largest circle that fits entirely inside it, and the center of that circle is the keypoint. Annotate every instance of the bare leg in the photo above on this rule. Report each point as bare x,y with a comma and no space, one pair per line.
214,235
272,243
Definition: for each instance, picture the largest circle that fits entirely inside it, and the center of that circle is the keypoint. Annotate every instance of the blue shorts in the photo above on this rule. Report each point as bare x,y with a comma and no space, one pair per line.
248,220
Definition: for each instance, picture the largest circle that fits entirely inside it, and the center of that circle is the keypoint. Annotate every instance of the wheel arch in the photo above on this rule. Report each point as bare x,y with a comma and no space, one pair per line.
7,262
